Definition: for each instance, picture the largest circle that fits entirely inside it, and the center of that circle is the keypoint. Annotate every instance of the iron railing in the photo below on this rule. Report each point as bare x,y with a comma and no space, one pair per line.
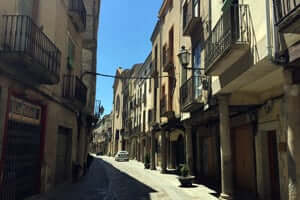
233,27
78,7
21,35
190,91
285,8
74,88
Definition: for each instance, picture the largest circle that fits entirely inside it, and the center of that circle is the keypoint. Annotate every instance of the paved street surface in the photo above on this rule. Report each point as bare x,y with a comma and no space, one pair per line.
111,180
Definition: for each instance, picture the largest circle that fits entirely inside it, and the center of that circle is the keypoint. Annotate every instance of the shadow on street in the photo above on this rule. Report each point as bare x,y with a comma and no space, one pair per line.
125,187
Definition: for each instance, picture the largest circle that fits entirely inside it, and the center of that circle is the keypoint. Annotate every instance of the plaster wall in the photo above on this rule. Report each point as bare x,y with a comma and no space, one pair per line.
271,120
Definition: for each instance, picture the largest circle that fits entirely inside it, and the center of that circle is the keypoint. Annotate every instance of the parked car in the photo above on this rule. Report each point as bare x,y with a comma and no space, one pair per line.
122,156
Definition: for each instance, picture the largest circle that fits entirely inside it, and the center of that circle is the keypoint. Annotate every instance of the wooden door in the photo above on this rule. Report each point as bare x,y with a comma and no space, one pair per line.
243,156
63,155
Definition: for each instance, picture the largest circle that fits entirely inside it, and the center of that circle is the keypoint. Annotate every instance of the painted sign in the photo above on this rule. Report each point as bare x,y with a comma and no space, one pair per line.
23,111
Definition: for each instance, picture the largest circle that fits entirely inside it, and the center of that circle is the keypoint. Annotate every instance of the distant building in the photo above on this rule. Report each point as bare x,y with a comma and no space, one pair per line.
102,135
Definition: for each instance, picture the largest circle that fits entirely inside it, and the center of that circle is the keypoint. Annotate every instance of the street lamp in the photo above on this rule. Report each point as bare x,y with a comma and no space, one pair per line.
184,57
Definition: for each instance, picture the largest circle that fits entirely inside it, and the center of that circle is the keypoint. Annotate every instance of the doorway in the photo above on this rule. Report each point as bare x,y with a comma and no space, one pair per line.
179,151
63,155
273,166
243,160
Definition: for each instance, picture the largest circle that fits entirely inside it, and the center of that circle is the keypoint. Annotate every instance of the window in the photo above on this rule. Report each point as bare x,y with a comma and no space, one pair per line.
149,116
196,8
183,75
171,46
118,105
171,4
197,56
197,64
165,54
144,119
163,91
71,54
150,85
184,15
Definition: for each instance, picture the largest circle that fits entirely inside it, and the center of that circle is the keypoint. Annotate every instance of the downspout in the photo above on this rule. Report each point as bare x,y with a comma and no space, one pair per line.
209,15
269,42
276,59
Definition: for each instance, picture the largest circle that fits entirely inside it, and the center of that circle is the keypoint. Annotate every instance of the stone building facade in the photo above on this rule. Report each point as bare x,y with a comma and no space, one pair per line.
46,108
231,114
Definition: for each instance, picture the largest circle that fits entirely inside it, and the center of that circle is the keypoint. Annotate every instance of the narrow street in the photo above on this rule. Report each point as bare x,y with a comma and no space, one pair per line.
111,180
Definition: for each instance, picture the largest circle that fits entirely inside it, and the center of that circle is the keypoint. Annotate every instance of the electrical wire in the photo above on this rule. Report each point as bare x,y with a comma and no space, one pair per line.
123,77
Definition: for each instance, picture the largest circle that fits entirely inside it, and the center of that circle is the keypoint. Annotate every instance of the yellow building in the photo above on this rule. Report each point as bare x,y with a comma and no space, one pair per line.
45,46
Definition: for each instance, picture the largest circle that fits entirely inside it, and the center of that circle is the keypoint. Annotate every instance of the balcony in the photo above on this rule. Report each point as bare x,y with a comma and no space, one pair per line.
191,18
28,51
77,13
90,34
128,125
287,15
165,108
74,90
190,94
168,60
229,40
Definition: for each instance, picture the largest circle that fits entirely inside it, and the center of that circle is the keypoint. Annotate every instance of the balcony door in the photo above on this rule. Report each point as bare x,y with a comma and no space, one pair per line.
231,18
196,73
196,8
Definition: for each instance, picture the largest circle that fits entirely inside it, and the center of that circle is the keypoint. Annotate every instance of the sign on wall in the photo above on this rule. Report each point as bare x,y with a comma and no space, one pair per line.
23,111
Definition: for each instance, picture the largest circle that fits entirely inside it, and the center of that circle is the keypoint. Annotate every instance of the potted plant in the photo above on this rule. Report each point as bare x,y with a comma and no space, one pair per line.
147,161
185,178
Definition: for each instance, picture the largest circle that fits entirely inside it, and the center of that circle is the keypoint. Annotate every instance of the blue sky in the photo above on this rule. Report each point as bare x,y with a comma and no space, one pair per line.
123,39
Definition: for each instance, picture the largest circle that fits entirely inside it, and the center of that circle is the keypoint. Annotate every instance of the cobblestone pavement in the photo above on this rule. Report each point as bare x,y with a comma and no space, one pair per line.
111,180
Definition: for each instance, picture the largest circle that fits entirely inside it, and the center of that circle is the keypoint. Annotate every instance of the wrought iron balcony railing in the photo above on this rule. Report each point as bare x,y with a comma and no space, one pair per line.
191,17
74,89
286,13
233,27
190,92
77,11
24,44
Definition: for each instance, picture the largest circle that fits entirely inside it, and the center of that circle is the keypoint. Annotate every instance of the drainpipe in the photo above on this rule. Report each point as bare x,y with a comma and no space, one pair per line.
209,15
278,60
269,42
